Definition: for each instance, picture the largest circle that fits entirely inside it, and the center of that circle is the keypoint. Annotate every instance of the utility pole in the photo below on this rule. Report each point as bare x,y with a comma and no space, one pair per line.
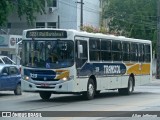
158,40
81,14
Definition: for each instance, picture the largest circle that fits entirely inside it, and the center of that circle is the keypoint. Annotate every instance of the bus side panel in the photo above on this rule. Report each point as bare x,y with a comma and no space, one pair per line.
103,83
146,73
124,82
82,83
115,82
141,72
137,80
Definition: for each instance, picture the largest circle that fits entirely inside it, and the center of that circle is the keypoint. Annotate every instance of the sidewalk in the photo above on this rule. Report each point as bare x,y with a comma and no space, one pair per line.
152,87
154,82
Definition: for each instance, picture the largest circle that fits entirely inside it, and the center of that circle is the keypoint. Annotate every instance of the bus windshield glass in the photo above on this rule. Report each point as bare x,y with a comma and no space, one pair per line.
51,54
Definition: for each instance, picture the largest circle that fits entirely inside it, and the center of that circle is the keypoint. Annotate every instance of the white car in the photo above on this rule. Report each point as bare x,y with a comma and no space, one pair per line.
6,60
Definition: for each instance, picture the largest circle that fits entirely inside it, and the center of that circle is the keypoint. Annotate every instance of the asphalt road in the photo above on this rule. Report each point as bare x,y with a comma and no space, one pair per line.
144,98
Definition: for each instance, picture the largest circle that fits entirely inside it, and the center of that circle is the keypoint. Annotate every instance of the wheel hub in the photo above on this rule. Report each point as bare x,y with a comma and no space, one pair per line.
91,89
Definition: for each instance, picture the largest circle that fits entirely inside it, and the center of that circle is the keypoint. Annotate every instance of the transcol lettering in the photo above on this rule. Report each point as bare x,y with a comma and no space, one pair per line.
112,69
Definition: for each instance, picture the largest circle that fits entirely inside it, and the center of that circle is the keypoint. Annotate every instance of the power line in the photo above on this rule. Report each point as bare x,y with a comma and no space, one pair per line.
92,4
84,8
87,2
139,21
89,9
129,14
133,22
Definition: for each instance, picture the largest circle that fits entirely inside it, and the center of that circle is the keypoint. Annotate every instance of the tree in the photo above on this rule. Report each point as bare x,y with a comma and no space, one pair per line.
92,29
132,18
25,8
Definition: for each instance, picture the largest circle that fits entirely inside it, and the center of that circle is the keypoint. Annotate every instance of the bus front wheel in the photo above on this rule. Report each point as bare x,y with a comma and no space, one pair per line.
45,95
129,89
89,94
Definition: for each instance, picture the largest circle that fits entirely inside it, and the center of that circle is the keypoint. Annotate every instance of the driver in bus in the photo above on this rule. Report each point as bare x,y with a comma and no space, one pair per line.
52,58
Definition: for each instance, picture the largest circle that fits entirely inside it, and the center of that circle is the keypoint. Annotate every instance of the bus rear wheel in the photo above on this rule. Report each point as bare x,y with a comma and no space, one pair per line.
45,95
89,94
129,90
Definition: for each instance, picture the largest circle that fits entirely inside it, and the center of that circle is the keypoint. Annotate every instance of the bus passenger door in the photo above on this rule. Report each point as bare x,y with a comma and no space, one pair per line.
81,57
81,53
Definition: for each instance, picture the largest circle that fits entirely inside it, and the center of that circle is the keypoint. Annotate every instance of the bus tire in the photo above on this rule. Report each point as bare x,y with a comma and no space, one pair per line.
89,94
129,90
18,90
45,95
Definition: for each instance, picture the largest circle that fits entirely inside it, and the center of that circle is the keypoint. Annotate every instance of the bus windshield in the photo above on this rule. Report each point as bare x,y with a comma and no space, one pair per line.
51,54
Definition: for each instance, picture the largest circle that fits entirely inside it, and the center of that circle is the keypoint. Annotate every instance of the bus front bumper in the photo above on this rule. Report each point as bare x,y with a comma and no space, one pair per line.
66,86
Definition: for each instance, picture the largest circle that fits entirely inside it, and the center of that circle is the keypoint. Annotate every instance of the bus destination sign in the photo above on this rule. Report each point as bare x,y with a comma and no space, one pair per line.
46,34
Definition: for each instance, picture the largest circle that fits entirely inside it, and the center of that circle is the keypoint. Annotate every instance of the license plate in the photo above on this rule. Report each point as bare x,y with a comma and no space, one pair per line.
44,85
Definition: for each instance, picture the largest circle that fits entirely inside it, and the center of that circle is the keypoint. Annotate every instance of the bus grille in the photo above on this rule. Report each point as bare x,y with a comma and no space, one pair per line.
42,79
44,87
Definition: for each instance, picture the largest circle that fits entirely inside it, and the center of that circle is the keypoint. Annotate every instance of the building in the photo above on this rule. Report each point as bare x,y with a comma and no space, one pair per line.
64,14
10,45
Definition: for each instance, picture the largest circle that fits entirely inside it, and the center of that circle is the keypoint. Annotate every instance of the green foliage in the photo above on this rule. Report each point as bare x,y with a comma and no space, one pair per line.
133,18
91,29
5,8
26,8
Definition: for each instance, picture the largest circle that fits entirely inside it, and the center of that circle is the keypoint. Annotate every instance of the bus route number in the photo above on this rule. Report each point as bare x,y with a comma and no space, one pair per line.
33,75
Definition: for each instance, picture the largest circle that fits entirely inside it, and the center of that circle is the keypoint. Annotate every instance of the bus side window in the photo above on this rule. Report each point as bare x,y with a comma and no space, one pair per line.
141,52
134,52
94,49
106,50
147,53
126,51
116,51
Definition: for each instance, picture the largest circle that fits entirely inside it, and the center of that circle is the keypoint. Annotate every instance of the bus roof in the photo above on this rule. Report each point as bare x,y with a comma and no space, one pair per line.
95,35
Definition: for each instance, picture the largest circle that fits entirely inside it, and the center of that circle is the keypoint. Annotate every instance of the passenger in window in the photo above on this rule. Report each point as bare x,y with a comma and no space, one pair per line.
49,60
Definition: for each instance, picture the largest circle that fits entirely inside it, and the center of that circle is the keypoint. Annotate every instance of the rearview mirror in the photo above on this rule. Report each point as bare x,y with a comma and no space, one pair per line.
80,50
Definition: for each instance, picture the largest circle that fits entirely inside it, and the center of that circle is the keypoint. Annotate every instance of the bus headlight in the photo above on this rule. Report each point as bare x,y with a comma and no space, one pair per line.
67,78
26,77
64,79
